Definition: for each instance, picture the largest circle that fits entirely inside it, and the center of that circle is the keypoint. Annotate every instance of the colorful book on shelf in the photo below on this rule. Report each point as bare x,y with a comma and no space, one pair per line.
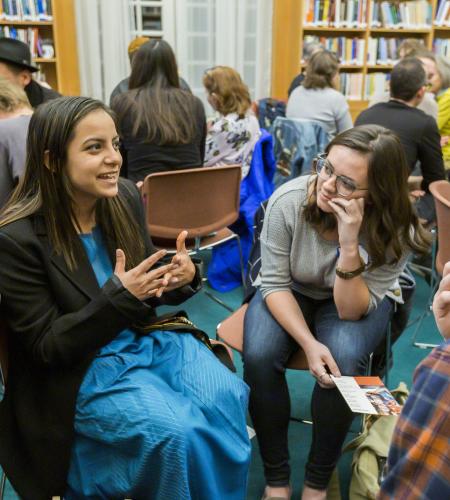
367,395
26,10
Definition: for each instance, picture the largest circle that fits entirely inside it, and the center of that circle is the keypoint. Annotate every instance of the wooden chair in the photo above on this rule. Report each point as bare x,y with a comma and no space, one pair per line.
204,201
440,253
231,332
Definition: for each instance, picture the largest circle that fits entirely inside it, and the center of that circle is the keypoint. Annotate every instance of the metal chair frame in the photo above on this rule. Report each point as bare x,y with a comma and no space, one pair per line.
434,283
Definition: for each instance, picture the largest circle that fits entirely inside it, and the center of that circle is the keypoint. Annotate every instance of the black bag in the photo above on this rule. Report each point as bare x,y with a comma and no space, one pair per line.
180,323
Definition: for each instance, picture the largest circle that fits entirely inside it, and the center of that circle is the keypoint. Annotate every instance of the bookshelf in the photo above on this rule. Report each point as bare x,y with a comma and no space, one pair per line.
364,33
52,22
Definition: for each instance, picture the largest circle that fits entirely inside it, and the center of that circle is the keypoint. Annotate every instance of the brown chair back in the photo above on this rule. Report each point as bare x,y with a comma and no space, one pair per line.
441,194
3,350
231,331
201,200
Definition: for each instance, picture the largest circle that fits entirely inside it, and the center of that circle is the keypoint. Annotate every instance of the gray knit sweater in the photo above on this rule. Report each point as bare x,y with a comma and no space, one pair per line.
295,256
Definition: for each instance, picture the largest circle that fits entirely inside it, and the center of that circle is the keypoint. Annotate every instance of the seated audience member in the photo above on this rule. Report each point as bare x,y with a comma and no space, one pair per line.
97,404
15,113
233,134
409,47
442,90
332,245
123,85
162,127
308,50
412,47
418,461
318,98
15,65
417,131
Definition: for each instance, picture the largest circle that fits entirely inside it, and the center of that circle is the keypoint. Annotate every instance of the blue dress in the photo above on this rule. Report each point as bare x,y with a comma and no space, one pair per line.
157,417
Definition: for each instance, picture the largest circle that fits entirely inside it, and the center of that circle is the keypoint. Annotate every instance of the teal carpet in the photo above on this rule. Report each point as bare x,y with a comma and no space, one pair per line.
206,314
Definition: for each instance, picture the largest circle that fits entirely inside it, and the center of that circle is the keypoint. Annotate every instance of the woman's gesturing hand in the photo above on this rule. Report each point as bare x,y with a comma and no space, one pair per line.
142,281
321,364
349,215
183,270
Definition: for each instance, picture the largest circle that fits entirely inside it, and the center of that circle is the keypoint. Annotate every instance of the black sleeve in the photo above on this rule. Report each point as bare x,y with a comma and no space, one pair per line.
430,154
50,336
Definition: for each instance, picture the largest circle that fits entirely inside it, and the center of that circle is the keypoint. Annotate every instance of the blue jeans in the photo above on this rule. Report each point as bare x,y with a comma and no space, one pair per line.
267,348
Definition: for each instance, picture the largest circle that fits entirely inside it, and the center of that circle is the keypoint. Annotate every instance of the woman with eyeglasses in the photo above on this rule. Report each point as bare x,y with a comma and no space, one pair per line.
332,245
162,126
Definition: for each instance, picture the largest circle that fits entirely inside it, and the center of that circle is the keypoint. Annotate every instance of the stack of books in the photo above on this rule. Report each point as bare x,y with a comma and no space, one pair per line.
30,36
415,14
377,84
351,84
383,50
26,10
336,13
349,50
442,13
441,47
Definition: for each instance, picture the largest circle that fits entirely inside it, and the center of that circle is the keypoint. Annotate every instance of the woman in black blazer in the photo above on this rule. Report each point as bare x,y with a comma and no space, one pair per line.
94,408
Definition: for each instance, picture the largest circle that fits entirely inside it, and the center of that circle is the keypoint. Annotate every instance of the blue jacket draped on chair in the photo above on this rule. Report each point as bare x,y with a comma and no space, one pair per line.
224,269
296,143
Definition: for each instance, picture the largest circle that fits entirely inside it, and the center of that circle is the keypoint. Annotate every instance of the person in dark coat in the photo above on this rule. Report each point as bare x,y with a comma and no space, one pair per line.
15,65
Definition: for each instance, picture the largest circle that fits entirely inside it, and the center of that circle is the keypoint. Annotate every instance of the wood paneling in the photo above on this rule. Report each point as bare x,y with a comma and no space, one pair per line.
64,32
285,45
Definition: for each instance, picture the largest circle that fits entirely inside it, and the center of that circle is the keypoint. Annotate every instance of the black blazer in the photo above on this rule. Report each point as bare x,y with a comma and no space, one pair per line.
58,320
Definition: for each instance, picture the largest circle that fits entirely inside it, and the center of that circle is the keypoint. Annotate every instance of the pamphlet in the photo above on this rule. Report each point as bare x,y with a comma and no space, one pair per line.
367,395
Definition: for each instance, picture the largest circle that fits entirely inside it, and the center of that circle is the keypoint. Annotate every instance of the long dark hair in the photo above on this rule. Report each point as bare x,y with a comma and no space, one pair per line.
48,190
159,107
390,222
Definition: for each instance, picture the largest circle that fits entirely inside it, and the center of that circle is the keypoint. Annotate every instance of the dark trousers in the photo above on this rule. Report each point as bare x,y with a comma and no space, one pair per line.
267,348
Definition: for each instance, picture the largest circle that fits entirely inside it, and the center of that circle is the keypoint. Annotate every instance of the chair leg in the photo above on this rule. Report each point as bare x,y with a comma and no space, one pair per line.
434,283
241,259
218,301
421,318
388,353
2,485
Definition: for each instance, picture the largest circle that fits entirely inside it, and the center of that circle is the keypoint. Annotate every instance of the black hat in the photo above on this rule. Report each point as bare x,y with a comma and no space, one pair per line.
17,53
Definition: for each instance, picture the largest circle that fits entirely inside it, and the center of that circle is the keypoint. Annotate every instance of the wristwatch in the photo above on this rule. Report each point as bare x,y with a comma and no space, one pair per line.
348,275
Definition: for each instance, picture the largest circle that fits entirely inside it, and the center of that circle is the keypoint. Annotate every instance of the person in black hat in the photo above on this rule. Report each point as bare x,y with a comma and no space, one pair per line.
15,65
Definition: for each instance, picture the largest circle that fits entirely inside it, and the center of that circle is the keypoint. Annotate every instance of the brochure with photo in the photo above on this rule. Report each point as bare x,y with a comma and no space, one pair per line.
367,395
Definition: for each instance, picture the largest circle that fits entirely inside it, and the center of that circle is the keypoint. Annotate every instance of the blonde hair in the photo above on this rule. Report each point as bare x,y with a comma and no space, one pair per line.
12,97
231,93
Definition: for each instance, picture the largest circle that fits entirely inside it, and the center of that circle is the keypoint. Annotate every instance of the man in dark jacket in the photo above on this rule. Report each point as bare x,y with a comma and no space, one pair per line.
417,131
15,65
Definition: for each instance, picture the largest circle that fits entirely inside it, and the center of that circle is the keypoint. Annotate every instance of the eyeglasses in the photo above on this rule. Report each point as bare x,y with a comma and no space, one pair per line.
344,186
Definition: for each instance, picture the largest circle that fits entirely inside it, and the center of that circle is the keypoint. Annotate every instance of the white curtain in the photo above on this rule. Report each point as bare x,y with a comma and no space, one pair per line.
203,33
103,35
236,33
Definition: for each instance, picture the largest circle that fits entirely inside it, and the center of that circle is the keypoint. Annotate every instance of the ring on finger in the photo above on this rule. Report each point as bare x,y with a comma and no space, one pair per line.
322,374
